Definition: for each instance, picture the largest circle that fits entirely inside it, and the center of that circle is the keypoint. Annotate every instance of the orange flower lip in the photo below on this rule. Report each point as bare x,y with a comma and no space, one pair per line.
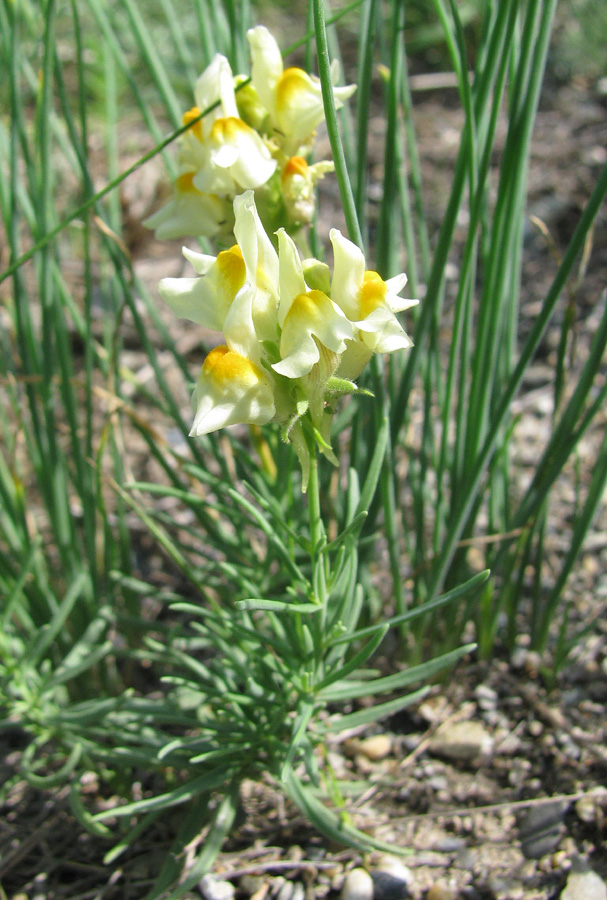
190,116
185,183
296,165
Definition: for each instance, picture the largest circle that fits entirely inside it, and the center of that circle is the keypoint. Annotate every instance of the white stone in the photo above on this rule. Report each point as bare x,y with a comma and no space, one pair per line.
213,888
357,885
584,886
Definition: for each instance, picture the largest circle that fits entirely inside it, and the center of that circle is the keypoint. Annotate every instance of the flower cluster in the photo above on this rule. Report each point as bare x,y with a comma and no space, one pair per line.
295,336
253,138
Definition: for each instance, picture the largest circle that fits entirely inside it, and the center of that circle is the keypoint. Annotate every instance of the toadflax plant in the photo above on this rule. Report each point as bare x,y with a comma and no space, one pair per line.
261,648
256,678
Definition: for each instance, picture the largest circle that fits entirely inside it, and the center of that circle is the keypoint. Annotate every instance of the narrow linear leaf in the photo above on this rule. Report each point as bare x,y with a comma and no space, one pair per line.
218,832
134,832
350,531
454,594
59,777
332,825
357,660
375,713
204,783
375,467
277,605
94,656
49,632
17,588
83,815
350,690
299,729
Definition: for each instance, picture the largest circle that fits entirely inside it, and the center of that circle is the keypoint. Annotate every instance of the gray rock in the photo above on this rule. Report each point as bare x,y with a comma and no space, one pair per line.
449,844
541,828
584,886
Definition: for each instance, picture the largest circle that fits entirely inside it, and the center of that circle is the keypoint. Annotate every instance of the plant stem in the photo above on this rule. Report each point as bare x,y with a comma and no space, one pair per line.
317,558
341,169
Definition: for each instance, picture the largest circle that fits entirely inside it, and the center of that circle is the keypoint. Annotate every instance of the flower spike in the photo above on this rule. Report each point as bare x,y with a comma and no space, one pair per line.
294,337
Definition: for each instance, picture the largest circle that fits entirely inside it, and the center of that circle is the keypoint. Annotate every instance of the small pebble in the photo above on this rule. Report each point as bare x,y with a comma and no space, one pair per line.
541,828
387,887
440,891
286,891
391,879
213,888
462,741
501,887
540,845
357,885
449,844
393,865
315,852
438,783
486,697
465,860
250,884
374,748
262,892
277,884
540,817
584,886
559,860
589,808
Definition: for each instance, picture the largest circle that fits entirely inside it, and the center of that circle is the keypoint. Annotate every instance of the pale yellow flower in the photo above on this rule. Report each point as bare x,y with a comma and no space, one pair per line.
261,265
218,157
292,98
226,155
206,300
308,319
370,303
231,390
191,212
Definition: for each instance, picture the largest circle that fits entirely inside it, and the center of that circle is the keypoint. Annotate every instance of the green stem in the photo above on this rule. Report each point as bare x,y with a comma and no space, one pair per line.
317,558
341,169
